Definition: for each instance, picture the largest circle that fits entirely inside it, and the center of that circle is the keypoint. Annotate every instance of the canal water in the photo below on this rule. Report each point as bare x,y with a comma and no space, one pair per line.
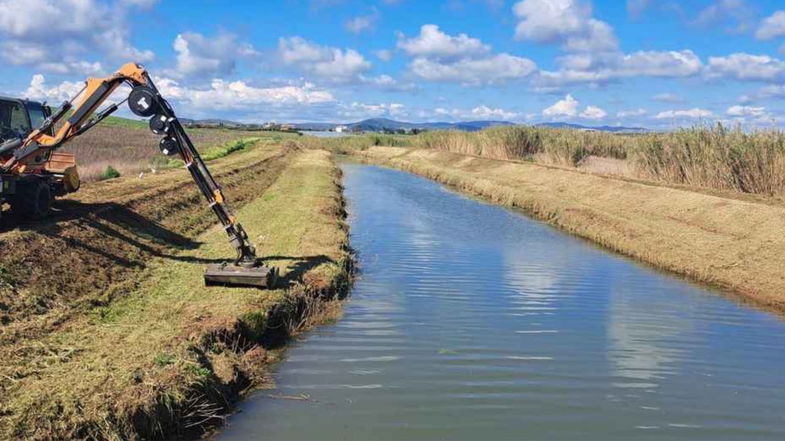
473,322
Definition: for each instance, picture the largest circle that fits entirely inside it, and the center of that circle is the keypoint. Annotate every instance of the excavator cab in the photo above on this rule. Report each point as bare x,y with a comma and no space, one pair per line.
50,174
17,117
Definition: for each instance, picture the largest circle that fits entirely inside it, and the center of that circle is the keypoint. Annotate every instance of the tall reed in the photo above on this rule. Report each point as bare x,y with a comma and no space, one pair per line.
560,146
702,156
715,157
496,142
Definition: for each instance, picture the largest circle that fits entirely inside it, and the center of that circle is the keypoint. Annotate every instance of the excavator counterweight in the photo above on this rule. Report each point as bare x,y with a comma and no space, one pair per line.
18,157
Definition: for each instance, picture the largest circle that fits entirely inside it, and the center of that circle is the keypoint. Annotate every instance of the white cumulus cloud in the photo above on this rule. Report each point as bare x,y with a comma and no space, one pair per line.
223,95
366,110
433,43
742,66
440,57
328,63
605,67
744,111
567,107
632,113
771,27
363,23
39,90
593,112
58,35
384,54
666,64
566,22
494,69
736,15
485,112
695,113
216,55
667,97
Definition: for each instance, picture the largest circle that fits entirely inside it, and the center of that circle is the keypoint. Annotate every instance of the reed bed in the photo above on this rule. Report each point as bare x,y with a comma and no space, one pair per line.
714,157
565,147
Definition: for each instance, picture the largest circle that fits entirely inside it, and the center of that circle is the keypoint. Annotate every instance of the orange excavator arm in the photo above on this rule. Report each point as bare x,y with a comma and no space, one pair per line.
145,101
81,108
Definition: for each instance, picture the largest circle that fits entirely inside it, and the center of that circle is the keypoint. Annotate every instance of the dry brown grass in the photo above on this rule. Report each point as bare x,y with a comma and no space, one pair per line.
606,166
556,146
730,243
715,157
712,157
133,150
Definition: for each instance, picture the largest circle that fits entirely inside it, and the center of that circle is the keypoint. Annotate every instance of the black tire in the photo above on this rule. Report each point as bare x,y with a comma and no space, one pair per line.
33,200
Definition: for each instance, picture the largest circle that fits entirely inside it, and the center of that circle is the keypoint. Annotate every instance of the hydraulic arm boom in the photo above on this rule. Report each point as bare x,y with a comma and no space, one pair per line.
145,101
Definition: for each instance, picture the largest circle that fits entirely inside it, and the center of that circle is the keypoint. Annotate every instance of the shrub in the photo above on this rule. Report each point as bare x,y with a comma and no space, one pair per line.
109,173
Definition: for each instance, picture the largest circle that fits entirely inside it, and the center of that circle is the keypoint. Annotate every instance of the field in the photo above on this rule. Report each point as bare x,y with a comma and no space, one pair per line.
107,330
130,148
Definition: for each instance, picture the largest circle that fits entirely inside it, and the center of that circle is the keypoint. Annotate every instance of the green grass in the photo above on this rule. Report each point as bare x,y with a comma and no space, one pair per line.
173,339
118,121
211,154
228,148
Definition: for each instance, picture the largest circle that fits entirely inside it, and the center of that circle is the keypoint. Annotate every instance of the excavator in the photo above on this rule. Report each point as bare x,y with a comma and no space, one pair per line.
32,171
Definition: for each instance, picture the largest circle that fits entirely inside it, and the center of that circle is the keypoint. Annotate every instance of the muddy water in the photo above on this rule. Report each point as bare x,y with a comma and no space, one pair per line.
474,322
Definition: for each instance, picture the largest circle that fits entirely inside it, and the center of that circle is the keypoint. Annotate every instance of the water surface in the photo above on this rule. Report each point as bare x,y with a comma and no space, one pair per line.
473,322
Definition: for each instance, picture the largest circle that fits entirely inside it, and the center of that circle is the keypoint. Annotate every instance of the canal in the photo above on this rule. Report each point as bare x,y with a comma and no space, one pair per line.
471,321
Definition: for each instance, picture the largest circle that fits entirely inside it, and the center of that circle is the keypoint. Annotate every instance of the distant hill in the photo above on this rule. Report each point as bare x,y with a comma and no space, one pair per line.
613,129
381,124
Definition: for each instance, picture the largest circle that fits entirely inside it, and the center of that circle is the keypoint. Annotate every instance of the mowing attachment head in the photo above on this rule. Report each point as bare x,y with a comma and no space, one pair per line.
232,274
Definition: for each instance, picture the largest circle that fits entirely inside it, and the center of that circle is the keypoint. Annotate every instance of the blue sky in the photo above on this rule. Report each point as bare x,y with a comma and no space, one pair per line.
652,63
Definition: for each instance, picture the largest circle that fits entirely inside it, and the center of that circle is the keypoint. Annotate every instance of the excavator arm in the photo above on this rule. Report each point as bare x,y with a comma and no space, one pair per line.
145,101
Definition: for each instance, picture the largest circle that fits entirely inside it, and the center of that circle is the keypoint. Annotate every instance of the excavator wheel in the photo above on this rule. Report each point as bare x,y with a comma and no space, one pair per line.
33,199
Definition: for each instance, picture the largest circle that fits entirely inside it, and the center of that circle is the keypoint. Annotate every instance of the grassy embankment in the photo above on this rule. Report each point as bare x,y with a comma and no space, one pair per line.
702,157
129,147
162,354
731,243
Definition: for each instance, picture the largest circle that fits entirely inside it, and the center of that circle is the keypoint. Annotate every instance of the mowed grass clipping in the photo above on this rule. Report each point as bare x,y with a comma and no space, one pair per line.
174,353
730,243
